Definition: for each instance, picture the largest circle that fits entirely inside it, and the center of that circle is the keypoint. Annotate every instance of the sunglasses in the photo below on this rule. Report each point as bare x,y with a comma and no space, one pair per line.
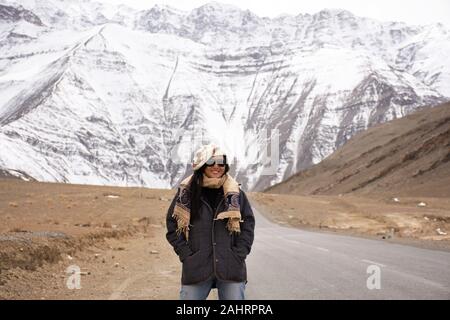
221,162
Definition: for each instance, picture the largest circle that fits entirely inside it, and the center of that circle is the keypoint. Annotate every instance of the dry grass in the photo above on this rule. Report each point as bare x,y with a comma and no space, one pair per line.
379,217
41,223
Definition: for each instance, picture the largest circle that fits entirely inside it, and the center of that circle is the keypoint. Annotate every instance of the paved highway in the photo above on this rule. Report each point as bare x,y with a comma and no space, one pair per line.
288,263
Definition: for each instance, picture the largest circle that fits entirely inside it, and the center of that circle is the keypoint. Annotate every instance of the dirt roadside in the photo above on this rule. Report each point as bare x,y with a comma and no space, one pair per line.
417,221
116,236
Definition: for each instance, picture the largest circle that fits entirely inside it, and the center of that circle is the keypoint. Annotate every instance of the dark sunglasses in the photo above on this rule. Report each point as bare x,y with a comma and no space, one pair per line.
221,162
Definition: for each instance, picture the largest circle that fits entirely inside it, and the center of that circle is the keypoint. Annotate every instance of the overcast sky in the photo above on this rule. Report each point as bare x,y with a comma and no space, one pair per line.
409,11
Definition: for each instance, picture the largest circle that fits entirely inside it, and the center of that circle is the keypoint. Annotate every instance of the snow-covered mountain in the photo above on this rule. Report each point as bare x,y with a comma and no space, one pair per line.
102,94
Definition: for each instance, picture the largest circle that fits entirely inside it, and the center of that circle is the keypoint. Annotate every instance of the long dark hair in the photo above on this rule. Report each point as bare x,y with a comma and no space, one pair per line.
196,189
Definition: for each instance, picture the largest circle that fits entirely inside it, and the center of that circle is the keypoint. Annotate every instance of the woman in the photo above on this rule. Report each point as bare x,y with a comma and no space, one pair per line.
210,225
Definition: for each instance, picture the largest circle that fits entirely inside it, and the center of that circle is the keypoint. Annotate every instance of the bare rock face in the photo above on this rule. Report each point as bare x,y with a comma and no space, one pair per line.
12,14
97,94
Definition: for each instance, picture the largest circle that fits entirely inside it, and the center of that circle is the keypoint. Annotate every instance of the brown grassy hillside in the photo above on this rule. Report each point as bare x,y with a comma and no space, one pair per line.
404,157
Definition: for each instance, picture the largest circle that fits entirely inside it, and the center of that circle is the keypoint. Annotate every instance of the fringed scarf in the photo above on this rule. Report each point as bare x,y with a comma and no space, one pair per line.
182,211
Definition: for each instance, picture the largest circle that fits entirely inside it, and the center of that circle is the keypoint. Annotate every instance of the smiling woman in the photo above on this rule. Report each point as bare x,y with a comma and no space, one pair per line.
210,225
215,166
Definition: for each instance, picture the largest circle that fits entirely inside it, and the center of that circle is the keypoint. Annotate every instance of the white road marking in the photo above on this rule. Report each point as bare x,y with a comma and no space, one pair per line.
288,240
301,243
373,262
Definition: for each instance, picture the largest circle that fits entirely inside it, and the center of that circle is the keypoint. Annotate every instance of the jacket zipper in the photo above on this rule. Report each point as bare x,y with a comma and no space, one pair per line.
212,232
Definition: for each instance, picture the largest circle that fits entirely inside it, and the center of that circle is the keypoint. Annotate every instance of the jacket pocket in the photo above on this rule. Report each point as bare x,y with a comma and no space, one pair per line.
194,234
236,256
191,257
236,270
193,269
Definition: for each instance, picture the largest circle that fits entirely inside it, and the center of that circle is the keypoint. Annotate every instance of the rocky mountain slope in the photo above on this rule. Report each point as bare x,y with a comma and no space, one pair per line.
101,94
408,156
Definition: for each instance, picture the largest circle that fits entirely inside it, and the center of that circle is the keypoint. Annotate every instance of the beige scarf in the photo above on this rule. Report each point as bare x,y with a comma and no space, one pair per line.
182,211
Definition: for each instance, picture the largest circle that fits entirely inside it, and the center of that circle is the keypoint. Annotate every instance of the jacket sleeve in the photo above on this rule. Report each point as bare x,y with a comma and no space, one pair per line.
178,242
244,240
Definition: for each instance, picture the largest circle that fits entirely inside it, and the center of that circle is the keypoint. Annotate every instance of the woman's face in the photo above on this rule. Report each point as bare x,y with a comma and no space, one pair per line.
215,171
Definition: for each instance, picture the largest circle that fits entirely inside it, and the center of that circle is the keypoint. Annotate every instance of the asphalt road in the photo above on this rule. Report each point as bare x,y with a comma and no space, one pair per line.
288,263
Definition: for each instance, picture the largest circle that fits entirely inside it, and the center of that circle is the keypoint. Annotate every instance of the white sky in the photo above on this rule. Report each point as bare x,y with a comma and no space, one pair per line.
409,11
